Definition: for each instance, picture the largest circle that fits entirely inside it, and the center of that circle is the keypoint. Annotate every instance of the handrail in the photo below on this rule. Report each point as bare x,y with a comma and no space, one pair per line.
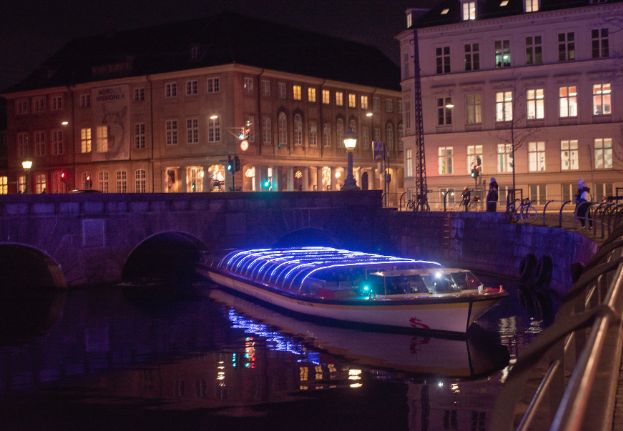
596,302
560,212
545,211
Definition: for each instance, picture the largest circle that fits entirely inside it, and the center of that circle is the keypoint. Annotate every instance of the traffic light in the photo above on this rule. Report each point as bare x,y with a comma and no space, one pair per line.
236,163
266,183
230,164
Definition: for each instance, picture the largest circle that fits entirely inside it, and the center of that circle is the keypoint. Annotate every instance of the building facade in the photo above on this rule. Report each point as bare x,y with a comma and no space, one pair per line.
208,112
530,89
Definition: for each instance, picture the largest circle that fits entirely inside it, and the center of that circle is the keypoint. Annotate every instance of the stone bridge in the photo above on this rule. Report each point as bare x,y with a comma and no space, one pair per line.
91,238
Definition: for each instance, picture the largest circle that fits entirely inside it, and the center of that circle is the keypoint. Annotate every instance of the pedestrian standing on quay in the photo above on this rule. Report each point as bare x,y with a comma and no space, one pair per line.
492,196
466,197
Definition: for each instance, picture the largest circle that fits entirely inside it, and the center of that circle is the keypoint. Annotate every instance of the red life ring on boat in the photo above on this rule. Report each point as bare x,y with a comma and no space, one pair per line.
417,323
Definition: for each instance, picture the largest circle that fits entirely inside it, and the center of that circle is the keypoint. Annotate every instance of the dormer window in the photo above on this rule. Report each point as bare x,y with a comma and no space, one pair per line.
469,10
445,11
531,5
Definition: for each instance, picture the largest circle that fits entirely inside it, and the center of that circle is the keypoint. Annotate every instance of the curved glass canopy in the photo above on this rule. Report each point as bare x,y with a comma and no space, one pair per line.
289,268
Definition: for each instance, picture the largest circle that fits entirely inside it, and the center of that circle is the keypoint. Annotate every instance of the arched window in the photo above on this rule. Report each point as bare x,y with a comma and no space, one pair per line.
282,126
339,132
298,130
313,133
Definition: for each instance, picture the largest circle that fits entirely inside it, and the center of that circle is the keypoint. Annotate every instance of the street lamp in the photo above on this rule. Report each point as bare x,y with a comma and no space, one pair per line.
27,165
350,142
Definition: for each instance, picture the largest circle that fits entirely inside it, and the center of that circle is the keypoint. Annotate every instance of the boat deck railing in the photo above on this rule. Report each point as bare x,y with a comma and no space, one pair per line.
567,378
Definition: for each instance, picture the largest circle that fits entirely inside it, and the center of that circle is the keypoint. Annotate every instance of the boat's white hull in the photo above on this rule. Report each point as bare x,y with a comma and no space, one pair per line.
448,316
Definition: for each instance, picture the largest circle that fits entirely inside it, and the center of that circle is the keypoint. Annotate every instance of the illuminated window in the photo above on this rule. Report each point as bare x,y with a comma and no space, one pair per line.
531,5
192,131
326,97
213,85
445,11
170,89
603,153
534,50
473,109
536,156
409,162
311,95
502,53
599,39
442,58
140,181
192,87
566,46
445,160
57,142
568,98
569,155
41,182
535,103
40,143
139,135
4,185
505,161
352,100
326,135
390,137
103,181
296,92
363,102
504,106
214,129
298,130
171,132
122,182
339,98
21,184
469,10
602,99
474,157
86,140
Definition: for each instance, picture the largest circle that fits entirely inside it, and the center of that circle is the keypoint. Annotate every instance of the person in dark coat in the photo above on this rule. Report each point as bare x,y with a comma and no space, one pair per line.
492,196
466,196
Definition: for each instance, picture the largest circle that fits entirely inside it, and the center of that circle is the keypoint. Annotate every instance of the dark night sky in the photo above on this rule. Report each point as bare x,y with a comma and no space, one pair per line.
31,30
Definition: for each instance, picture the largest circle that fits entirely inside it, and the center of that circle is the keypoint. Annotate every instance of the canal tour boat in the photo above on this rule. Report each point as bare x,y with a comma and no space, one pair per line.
354,287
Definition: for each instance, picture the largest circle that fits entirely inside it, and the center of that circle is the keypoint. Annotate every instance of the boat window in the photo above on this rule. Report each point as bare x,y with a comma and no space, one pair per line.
466,280
439,282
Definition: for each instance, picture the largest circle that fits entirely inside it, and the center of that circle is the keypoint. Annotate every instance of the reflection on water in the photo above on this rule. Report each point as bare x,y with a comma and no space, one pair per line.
116,364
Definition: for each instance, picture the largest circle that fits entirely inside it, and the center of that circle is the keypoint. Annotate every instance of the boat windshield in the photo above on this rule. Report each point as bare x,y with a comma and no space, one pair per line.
448,282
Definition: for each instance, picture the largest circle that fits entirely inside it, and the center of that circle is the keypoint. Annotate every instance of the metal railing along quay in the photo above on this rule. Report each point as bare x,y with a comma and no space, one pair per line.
567,378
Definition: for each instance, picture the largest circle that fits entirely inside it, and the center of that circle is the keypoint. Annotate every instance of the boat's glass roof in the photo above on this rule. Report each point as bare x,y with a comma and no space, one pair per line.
288,268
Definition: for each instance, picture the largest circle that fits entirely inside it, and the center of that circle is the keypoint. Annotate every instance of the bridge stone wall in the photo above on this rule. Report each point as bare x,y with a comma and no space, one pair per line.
91,236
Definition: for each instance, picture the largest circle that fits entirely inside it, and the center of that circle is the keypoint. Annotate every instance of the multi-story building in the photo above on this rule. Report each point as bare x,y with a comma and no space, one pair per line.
540,80
164,108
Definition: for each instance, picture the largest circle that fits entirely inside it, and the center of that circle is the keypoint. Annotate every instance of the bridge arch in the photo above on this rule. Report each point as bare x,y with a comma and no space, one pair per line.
166,257
26,268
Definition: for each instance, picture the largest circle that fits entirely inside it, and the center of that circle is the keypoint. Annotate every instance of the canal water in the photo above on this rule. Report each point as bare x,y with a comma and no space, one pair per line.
103,359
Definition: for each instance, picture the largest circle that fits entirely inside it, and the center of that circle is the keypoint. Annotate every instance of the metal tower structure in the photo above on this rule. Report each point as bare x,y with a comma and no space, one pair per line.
421,201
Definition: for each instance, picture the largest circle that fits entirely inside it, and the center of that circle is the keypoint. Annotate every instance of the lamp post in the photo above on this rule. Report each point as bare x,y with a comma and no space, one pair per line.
27,165
350,142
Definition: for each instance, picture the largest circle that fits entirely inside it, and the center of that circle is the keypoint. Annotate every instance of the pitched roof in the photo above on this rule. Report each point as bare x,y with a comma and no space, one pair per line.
225,38
487,9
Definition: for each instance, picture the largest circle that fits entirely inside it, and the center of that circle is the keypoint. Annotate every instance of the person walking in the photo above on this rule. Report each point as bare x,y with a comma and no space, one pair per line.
582,205
466,197
492,196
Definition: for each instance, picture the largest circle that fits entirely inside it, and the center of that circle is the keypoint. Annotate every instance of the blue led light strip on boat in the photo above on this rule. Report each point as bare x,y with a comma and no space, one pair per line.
289,268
